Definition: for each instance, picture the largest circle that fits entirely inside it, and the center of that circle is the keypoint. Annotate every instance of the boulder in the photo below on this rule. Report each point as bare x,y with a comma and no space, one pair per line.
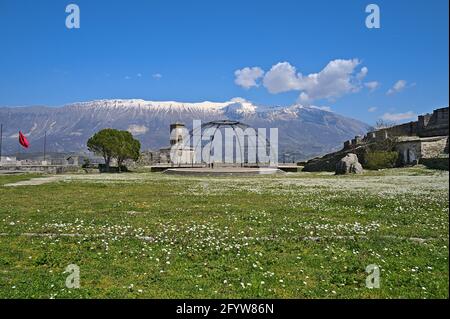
349,165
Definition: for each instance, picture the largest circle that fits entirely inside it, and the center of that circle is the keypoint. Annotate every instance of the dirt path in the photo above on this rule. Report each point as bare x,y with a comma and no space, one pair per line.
36,181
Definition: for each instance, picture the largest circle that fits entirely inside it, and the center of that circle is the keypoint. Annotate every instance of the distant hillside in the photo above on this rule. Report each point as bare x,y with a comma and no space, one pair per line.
303,131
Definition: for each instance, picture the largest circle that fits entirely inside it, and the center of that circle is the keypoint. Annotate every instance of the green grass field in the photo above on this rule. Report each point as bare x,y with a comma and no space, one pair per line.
300,235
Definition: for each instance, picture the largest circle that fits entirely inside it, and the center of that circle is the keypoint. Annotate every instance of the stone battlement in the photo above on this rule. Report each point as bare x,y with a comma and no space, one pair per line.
427,125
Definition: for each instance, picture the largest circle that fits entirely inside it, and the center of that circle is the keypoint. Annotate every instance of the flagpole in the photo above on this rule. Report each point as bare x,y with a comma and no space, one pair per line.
45,143
1,140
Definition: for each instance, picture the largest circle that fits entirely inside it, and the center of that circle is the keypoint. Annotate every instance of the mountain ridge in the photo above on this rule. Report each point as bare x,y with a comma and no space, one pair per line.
304,131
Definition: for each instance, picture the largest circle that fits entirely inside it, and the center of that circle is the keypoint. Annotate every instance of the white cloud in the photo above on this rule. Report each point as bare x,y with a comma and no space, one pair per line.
399,86
372,86
127,77
282,77
338,78
139,75
395,117
363,73
322,108
248,77
157,76
335,80
137,129
238,100
372,109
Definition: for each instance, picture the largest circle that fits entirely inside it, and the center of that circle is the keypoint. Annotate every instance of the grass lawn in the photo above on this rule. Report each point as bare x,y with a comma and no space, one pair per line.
301,235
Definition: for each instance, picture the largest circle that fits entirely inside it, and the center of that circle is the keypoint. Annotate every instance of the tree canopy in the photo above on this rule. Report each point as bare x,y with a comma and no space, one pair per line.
111,143
126,147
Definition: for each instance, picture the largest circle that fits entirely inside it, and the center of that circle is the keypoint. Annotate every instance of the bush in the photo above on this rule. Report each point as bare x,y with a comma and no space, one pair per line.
379,160
112,169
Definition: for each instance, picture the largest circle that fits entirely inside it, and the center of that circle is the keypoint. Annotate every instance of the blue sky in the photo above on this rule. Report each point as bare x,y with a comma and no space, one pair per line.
190,51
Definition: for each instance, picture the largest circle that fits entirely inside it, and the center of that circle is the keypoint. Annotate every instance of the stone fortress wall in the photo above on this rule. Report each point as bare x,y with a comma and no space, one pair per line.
428,125
417,141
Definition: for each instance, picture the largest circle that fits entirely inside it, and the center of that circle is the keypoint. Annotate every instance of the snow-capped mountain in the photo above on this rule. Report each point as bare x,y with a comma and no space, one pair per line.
303,131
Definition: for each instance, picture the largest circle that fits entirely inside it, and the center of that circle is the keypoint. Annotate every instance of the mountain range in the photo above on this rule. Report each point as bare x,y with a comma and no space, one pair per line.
304,131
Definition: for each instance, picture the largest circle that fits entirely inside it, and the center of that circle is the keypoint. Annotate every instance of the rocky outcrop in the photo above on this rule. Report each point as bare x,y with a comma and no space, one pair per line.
349,165
328,162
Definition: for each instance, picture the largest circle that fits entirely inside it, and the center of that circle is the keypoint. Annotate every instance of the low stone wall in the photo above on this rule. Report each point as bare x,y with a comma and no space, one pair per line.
434,147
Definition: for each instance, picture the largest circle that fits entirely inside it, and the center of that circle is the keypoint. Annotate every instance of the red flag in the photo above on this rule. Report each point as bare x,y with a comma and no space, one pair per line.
23,140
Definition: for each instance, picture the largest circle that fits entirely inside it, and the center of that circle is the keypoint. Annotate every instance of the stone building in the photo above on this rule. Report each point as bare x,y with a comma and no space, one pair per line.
8,160
413,149
181,154
178,152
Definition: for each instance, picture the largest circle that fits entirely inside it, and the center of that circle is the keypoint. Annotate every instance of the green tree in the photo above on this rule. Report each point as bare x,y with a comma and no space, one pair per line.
102,143
111,143
126,147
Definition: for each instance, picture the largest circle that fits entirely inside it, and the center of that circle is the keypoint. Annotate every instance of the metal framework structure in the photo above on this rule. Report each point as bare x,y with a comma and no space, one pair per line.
234,125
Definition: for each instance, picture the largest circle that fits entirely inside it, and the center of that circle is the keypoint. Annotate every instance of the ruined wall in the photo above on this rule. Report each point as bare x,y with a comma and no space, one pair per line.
430,149
407,129
435,124
428,125
148,158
